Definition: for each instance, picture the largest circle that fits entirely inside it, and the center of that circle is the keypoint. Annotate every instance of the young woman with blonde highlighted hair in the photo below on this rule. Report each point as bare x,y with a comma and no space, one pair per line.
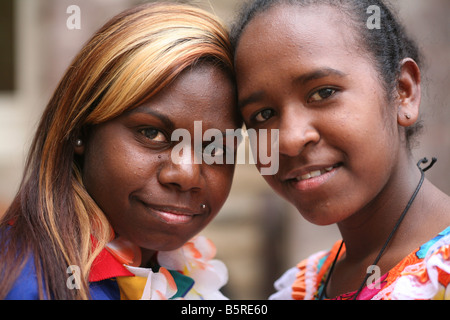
102,211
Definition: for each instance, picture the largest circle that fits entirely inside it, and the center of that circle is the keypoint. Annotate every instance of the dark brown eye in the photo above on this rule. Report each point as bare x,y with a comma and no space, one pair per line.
322,94
264,115
153,134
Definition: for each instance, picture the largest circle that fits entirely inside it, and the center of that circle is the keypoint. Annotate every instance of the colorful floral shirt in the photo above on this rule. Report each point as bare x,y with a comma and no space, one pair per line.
189,272
422,275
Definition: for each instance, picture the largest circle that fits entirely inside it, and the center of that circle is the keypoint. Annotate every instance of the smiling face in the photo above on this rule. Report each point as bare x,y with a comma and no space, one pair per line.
128,170
300,71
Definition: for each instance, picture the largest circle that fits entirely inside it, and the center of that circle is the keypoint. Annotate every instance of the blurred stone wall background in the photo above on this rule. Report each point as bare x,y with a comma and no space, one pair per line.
257,234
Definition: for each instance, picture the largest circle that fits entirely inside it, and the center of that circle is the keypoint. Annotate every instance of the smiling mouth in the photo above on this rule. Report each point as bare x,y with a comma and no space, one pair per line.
314,174
313,179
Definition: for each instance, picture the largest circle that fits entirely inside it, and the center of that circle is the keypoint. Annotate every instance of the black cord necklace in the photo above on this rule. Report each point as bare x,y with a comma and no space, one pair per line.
422,171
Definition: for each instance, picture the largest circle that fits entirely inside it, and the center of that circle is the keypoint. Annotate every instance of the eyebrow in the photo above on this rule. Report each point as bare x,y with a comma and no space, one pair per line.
303,79
318,74
143,109
254,97
166,120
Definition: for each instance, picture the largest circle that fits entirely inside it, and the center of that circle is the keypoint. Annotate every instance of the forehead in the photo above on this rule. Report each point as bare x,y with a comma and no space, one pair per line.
203,92
287,41
285,28
283,18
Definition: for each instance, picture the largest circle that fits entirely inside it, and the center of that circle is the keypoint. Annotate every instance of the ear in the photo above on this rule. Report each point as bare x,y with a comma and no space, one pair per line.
409,93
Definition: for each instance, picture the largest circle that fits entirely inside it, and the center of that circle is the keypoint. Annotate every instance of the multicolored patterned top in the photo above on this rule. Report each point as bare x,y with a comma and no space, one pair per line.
190,273
422,275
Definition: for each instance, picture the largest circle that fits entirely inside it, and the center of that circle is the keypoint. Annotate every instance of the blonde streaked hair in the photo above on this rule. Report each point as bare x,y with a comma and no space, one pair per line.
129,60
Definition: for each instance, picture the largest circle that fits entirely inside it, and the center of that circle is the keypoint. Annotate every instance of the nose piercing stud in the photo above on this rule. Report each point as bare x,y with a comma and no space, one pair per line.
203,206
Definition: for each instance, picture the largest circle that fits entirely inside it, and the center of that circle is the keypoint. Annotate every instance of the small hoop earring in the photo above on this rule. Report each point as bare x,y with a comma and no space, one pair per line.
78,143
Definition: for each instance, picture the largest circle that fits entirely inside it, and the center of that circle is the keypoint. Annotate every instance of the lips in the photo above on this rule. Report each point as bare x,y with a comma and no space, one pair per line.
311,177
310,171
172,215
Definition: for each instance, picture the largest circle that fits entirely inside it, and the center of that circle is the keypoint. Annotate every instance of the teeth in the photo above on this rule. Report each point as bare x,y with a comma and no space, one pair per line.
314,174
306,177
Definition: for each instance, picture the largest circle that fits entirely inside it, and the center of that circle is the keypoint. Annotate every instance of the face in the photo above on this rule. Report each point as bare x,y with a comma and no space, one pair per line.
305,76
129,172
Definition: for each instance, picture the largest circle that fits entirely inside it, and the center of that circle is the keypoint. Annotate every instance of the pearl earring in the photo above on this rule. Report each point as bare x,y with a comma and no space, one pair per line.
78,143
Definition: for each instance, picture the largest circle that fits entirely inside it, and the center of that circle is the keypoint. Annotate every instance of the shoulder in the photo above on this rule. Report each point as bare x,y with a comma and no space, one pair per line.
301,281
26,285
426,272
104,290
284,285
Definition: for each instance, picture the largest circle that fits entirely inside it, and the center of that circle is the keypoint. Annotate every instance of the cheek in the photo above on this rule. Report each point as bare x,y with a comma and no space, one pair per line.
112,172
103,167
361,126
219,181
265,149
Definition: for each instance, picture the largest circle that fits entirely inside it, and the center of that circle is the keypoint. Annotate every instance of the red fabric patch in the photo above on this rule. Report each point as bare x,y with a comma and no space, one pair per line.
105,266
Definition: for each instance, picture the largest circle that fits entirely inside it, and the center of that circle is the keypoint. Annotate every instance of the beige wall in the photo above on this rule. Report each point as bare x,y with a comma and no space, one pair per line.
257,234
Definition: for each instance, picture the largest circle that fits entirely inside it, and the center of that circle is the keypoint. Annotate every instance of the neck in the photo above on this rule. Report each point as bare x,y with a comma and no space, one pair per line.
365,232
147,256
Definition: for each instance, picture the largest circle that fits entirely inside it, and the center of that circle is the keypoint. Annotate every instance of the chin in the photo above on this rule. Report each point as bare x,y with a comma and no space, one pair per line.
168,244
318,217
172,246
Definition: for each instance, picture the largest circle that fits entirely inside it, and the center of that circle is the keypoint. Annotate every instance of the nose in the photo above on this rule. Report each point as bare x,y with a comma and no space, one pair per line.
184,174
297,131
